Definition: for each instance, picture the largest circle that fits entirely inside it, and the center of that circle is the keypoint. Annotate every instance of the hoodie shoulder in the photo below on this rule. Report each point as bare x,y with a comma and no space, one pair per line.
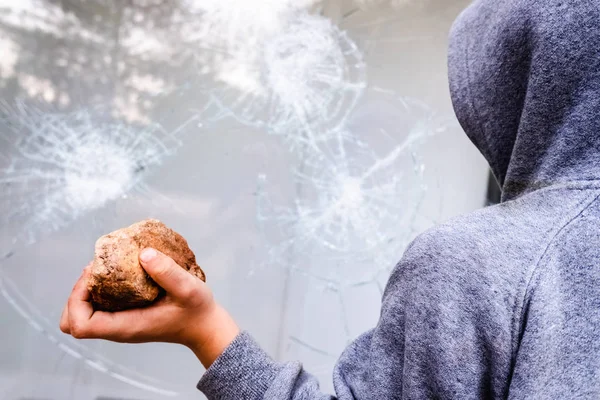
510,235
461,288
489,257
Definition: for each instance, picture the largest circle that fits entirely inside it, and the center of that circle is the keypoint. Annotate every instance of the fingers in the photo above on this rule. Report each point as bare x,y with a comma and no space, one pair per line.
81,321
137,325
64,317
120,327
80,309
175,280
130,326
64,321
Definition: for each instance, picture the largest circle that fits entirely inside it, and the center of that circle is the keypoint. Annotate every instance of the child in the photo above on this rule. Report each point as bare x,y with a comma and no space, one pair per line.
501,303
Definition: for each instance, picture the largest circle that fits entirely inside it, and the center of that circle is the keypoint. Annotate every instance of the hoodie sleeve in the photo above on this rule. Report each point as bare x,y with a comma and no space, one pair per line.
444,332
245,371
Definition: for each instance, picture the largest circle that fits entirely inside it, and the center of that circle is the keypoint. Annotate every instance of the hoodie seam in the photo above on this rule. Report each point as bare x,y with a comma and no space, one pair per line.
520,305
576,185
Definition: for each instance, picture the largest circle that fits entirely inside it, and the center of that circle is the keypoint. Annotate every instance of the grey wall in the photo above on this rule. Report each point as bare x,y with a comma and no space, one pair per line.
208,190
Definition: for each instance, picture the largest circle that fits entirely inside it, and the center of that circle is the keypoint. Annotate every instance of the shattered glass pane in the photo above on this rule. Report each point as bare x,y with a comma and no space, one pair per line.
286,140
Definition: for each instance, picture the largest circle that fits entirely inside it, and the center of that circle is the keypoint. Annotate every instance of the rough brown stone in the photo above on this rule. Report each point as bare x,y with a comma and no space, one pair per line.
118,281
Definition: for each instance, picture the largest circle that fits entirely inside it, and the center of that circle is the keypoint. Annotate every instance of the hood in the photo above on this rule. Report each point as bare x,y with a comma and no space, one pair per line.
525,84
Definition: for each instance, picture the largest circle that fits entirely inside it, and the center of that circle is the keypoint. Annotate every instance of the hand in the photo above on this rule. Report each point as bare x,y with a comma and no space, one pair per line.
188,314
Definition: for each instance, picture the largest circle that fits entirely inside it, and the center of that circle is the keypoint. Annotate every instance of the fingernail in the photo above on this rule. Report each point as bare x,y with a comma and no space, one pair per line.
148,255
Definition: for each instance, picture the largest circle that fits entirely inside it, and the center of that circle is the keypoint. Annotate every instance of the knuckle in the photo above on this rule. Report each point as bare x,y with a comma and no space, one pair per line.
188,290
79,331
164,273
64,327
165,270
72,303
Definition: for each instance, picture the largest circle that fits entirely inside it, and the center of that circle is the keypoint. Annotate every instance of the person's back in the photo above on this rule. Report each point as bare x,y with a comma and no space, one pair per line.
501,303
525,82
505,302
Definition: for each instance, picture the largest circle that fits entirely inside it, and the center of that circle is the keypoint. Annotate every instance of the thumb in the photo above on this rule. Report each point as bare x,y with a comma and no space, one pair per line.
167,273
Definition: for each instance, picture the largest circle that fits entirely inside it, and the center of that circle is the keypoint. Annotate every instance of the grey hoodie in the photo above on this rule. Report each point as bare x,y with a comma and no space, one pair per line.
503,302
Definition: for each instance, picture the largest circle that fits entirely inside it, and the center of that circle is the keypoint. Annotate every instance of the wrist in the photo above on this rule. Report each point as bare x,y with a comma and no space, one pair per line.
215,331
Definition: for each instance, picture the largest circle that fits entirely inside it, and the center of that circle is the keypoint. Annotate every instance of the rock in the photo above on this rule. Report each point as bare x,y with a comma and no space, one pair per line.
118,281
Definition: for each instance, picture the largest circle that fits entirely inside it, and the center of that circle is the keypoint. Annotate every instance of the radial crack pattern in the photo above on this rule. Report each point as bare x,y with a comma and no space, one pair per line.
305,76
60,166
357,200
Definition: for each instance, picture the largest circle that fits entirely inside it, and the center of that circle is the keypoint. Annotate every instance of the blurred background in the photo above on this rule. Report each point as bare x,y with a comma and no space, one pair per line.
299,146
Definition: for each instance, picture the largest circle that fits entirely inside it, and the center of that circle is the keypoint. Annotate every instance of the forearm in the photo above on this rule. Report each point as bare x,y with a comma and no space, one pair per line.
237,368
